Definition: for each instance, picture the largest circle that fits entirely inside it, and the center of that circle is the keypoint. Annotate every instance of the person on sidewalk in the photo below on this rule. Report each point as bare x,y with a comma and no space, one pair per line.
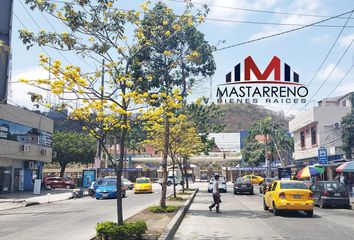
216,195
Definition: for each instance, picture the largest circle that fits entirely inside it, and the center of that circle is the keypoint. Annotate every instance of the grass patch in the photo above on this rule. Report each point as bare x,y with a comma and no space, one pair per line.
167,209
184,193
176,198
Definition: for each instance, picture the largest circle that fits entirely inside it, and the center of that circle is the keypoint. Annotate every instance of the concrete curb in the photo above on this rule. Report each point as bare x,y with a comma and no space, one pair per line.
28,204
173,226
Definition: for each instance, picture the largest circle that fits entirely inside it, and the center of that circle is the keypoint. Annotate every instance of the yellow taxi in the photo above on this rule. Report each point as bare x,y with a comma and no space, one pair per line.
143,185
288,195
254,179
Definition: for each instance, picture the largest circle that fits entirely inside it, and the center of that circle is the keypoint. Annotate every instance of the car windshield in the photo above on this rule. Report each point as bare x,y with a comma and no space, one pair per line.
108,183
269,180
242,180
142,181
332,186
212,179
293,185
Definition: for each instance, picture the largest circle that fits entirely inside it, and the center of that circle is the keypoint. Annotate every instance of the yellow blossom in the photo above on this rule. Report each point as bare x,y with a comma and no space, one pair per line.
167,33
167,53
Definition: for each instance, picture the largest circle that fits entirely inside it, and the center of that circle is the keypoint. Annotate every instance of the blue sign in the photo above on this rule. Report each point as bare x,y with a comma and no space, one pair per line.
88,176
322,155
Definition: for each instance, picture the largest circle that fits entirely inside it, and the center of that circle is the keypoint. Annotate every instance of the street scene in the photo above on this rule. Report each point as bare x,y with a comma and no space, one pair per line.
176,119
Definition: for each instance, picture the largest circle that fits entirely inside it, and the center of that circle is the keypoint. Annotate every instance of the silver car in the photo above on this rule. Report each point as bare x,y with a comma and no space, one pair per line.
222,184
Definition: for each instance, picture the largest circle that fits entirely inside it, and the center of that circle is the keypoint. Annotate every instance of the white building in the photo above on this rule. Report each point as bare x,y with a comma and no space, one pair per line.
320,127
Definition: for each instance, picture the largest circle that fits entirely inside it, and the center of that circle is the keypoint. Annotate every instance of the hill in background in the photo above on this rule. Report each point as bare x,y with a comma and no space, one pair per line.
238,117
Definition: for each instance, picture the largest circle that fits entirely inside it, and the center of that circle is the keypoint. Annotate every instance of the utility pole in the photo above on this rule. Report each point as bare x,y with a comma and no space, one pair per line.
99,141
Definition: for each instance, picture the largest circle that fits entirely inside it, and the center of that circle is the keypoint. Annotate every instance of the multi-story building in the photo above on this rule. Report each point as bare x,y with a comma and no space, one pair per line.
25,144
320,127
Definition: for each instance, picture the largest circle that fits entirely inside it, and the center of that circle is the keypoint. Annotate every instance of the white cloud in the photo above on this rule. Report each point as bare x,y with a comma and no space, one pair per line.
345,40
18,91
232,14
319,39
299,6
336,75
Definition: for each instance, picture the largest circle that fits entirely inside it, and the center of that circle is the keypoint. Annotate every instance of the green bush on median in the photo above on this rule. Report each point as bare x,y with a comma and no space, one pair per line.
128,231
158,209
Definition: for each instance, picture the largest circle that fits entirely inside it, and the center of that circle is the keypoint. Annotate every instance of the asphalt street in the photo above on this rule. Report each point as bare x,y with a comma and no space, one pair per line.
243,217
70,219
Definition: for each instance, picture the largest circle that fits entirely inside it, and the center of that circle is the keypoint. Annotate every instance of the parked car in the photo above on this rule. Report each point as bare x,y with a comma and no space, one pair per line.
143,185
94,185
254,179
288,195
204,177
265,185
242,185
330,193
108,189
178,180
128,184
222,184
58,182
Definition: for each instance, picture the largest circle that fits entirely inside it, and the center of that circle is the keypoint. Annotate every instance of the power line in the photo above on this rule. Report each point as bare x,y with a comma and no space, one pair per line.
51,25
343,78
330,74
254,10
35,22
281,33
233,20
328,53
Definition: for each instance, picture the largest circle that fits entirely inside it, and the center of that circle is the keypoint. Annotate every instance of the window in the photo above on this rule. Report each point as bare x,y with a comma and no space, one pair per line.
274,186
293,185
20,133
313,135
302,139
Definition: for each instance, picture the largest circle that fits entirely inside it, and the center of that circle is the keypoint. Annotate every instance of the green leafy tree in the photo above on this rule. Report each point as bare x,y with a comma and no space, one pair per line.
182,58
348,131
73,147
275,142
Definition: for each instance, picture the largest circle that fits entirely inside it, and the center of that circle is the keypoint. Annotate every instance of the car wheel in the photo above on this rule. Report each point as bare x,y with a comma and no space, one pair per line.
235,192
321,204
251,192
169,183
275,210
309,213
209,190
265,206
97,198
67,186
182,183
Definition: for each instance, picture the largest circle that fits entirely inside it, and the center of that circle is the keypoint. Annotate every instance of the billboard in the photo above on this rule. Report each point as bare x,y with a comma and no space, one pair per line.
5,26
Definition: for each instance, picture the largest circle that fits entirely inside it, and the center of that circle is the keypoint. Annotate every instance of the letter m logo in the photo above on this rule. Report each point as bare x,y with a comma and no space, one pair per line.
274,65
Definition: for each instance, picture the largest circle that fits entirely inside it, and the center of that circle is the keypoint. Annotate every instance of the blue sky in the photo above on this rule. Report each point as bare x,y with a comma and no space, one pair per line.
303,50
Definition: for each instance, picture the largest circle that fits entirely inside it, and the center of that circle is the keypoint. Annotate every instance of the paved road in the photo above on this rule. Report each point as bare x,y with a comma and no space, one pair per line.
243,217
70,219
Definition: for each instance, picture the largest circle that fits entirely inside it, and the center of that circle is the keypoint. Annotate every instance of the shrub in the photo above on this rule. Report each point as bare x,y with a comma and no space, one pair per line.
128,231
158,209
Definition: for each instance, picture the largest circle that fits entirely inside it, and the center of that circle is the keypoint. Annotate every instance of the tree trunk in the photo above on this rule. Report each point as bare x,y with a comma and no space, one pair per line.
185,171
182,172
164,164
62,169
119,174
174,181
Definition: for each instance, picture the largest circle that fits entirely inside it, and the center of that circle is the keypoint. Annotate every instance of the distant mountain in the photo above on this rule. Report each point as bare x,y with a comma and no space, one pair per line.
238,117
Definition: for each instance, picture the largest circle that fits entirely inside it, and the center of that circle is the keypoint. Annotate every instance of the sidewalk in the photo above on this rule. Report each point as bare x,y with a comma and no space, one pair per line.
22,199
235,221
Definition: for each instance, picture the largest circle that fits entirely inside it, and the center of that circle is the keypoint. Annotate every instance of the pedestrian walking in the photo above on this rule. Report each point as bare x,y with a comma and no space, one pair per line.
342,179
216,195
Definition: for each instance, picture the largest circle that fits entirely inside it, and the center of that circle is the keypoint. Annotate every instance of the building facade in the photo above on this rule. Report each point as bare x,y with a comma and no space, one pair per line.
320,127
25,144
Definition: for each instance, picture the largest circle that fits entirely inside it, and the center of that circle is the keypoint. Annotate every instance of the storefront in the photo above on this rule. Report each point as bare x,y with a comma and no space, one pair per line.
25,144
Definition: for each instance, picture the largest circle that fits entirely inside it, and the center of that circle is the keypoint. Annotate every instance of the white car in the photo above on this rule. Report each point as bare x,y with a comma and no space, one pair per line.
222,184
178,180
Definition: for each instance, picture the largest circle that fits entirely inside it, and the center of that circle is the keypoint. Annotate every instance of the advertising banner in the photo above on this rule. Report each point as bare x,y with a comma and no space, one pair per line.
88,176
